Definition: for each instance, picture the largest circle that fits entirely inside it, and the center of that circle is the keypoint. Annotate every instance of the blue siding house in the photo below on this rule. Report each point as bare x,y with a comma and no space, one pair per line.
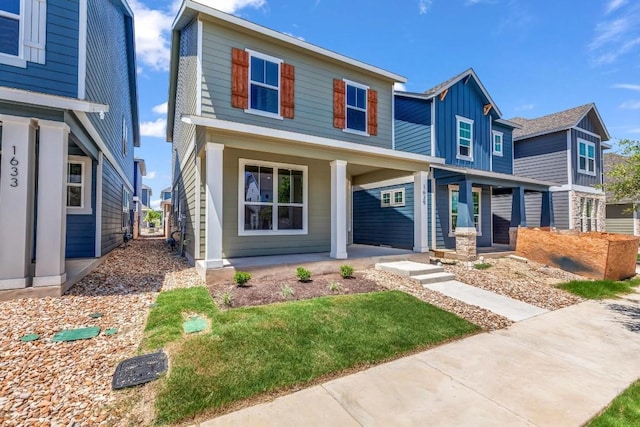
458,122
68,127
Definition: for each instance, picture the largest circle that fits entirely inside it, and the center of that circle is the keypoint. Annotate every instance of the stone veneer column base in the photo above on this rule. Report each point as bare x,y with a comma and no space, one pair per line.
466,246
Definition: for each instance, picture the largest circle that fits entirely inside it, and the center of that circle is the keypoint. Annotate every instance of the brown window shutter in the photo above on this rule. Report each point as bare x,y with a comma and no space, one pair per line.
372,112
239,78
339,100
287,90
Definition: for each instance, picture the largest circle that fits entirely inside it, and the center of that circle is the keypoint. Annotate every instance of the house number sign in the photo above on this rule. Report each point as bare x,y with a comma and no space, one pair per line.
13,180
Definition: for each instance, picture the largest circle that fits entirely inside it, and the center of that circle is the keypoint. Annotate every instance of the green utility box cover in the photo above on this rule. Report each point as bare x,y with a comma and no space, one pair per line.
29,337
110,331
195,324
95,315
76,334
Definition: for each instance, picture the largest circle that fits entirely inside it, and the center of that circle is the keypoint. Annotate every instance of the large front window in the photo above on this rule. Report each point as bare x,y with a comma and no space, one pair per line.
10,27
464,140
586,157
273,198
264,85
454,195
356,107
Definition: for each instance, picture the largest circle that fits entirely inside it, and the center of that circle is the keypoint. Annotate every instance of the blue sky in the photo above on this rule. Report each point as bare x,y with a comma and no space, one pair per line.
534,57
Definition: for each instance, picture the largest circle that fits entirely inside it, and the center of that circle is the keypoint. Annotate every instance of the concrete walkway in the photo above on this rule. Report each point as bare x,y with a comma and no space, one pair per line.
556,369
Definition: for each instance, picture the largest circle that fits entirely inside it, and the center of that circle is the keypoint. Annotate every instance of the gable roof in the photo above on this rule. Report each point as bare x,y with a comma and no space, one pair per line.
559,121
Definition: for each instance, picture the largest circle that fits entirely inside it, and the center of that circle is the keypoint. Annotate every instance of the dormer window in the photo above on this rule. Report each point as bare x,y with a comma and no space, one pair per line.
23,28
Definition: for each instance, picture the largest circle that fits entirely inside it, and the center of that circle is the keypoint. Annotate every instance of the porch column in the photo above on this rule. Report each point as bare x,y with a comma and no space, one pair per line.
52,204
16,194
420,214
338,209
546,216
465,226
518,215
213,229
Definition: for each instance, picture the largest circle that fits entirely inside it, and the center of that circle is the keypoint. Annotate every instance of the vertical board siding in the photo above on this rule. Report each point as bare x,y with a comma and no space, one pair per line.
313,88
464,100
587,124
111,208
581,178
59,75
443,240
318,238
375,225
619,219
107,80
504,163
81,229
543,157
412,125
561,209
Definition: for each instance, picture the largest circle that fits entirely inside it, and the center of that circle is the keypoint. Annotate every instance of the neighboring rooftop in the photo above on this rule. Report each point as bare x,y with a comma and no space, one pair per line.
560,121
611,160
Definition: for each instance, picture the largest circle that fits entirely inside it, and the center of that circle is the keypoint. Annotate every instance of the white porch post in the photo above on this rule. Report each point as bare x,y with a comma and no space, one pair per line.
420,214
338,209
16,196
213,238
52,203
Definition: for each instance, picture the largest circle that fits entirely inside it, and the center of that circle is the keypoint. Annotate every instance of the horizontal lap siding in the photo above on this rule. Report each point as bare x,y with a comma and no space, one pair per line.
318,238
533,208
619,220
111,208
501,217
375,225
59,75
504,163
543,157
561,209
313,88
186,91
81,229
412,125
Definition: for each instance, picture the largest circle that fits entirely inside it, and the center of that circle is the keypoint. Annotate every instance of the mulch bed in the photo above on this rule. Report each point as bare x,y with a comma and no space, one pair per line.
268,290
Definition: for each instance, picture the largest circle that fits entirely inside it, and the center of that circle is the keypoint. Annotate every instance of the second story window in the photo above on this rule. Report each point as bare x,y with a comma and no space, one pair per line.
10,27
586,157
23,29
497,143
264,93
356,107
464,138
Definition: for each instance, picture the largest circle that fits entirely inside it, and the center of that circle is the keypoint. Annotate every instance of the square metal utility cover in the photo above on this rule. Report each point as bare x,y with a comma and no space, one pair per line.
139,370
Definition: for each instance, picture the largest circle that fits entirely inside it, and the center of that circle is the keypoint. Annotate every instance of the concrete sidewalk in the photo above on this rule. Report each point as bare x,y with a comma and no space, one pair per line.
557,369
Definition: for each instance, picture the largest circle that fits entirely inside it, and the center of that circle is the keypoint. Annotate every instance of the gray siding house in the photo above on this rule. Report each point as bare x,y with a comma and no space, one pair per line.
270,134
622,214
565,148
68,125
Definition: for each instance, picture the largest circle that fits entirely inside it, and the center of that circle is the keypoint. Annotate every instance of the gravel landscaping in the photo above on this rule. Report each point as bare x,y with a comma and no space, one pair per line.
69,383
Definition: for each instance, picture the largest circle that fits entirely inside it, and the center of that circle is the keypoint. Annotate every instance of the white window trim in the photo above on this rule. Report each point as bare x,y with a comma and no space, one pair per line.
241,202
392,199
125,207
586,156
366,108
279,88
13,60
32,34
460,119
454,187
85,208
495,133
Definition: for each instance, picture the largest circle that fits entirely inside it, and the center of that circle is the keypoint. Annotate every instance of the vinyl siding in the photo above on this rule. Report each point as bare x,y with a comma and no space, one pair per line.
81,229
111,208
581,178
318,238
504,163
107,80
59,74
313,88
412,125
443,240
533,208
185,191
587,124
543,157
618,220
464,100
561,209
501,217
375,225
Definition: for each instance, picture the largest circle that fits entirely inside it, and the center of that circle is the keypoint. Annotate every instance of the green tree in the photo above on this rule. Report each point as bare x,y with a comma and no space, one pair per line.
153,216
622,181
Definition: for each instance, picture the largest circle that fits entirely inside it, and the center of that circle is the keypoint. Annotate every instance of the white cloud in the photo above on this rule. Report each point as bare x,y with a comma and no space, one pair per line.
614,5
160,108
630,105
473,2
297,37
232,6
150,175
636,130
627,86
400,87
155,204
424,6
155,129
525,107
614,38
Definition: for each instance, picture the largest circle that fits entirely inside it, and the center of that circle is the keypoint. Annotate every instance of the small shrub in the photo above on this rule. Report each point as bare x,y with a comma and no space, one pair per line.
482,266
287,291
303,274
346,271
335,287
227,299
241,278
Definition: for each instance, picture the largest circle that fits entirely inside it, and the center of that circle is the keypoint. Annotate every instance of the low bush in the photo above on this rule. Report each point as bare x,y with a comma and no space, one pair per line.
346,271
303,274
241,278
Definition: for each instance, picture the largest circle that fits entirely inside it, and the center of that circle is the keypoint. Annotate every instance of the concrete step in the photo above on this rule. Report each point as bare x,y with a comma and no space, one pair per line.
408,268
426,279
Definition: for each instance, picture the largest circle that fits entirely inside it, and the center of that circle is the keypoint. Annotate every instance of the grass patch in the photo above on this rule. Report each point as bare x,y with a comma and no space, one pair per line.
623,411
257,350
600,289
638,258
482,266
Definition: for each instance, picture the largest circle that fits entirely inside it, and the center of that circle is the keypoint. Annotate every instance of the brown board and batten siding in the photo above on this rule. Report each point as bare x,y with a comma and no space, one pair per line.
318,237
313,87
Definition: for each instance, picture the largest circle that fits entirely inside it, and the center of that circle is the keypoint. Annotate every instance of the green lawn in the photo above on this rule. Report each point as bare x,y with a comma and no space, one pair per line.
257,350
600,289
624,411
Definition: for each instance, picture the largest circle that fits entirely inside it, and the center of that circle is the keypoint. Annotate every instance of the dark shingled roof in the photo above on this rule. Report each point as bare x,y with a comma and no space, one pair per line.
550,123
440,87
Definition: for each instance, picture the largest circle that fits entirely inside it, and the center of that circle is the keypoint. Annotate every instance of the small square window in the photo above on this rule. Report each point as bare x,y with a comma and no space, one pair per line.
498,145
385,198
